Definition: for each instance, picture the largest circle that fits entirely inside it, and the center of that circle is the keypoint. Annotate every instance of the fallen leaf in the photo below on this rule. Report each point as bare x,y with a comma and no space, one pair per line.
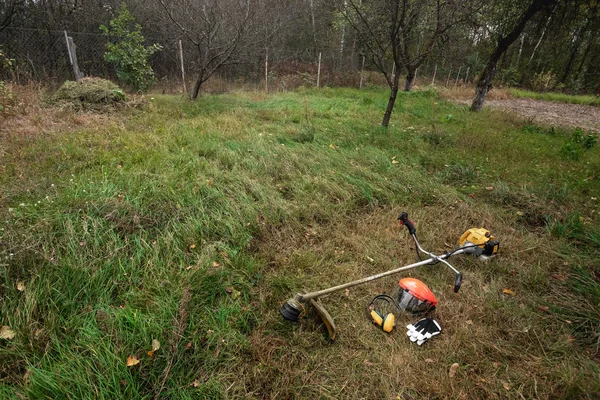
508,291
189,267
188,345
469,322
395,162
196,383
217,353
506,385
347,292
155,345
370,259
332,146
210,182
229,290
453,369
216,264
393,158
20,286
132,360
235,294
6,333
568,322
496,364
489,188
543,308
429,360
192,246
367,363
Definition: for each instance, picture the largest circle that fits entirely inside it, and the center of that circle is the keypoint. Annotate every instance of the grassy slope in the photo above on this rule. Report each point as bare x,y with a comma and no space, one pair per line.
558,97
190,223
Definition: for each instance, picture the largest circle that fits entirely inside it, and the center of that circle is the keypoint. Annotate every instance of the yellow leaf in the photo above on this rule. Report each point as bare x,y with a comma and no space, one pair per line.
132,360
216,264
151,353
20,286
508,291
196,383
395,162
453,369
192,246
506,385
235,294
6,333
155,345
332,146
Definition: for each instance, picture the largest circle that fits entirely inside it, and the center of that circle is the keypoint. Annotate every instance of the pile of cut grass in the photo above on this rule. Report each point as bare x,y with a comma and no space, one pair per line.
190,224
89,93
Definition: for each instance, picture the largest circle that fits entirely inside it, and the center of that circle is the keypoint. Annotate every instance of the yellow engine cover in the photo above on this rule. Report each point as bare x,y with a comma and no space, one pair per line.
476,236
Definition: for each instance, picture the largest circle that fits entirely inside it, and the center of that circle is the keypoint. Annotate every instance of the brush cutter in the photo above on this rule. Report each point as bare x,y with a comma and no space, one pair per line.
477,241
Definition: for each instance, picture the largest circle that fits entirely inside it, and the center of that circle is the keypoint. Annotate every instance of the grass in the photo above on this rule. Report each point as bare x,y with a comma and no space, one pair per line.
190,223
557,97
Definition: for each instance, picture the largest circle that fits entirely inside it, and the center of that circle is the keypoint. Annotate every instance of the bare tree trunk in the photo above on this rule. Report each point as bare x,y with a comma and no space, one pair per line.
314,27
484,83
410,79
197,86
391,101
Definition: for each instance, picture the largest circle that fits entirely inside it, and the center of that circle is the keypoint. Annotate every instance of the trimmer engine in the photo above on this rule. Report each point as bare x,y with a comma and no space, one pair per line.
479,242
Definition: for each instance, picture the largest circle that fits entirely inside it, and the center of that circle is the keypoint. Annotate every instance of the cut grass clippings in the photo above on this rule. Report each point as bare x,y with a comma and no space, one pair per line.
189,223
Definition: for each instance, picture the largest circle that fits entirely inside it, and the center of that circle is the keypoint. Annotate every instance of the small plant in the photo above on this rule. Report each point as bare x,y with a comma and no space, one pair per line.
126,50
7,98
578,143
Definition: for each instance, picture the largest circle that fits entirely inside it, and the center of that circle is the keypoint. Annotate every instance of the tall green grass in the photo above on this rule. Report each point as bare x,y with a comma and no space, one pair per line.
557,97
110,226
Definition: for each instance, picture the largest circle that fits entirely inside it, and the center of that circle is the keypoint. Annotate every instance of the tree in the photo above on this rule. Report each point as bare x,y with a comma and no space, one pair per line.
484,82
127,52
8,10
405,30
219,30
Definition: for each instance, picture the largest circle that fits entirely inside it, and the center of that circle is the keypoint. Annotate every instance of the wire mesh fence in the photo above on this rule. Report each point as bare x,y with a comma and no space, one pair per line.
43,56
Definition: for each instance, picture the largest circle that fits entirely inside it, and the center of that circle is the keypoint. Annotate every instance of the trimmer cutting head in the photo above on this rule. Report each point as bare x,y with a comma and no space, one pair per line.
294,309
291,310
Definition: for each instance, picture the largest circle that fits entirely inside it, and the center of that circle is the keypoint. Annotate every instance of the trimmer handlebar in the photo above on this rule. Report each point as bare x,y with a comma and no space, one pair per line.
458,282
403,218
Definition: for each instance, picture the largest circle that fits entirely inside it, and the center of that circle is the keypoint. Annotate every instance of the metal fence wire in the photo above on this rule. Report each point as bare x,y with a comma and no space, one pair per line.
42,56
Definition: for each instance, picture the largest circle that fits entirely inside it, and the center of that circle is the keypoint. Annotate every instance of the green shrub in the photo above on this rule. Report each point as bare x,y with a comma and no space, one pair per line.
126,50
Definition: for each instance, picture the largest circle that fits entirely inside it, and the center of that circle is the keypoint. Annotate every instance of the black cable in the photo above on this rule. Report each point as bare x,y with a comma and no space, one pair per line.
461,248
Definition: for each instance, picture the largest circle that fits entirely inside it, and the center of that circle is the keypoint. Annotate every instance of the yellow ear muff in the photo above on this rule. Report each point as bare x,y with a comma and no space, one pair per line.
377,318
389,322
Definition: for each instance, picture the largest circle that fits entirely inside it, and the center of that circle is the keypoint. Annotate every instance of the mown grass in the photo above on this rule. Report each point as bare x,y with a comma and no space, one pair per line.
190,223
557,97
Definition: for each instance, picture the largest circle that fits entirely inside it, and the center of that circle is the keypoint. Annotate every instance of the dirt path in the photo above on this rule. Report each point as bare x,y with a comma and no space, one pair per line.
551,113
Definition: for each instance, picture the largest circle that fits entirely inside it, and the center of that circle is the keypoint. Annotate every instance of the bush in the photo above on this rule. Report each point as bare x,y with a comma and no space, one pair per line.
89,93
578,144
126,50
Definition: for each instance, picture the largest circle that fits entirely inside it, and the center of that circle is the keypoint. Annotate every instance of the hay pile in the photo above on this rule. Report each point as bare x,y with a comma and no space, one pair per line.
89,93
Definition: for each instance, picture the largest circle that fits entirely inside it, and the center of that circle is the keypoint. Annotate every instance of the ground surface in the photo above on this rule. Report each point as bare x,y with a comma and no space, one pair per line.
186,225
552,113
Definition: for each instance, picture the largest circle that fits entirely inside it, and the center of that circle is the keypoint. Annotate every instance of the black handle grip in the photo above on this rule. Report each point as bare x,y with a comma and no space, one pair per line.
403,218
457,282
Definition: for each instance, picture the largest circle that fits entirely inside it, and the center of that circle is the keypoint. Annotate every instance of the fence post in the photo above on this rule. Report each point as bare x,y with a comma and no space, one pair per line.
319,71
467,76
182,68
448,79
267,70
434,72
362,70
457,75
72,49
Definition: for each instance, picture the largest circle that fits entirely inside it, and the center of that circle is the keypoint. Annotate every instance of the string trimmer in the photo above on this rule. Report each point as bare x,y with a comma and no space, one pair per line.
476,241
